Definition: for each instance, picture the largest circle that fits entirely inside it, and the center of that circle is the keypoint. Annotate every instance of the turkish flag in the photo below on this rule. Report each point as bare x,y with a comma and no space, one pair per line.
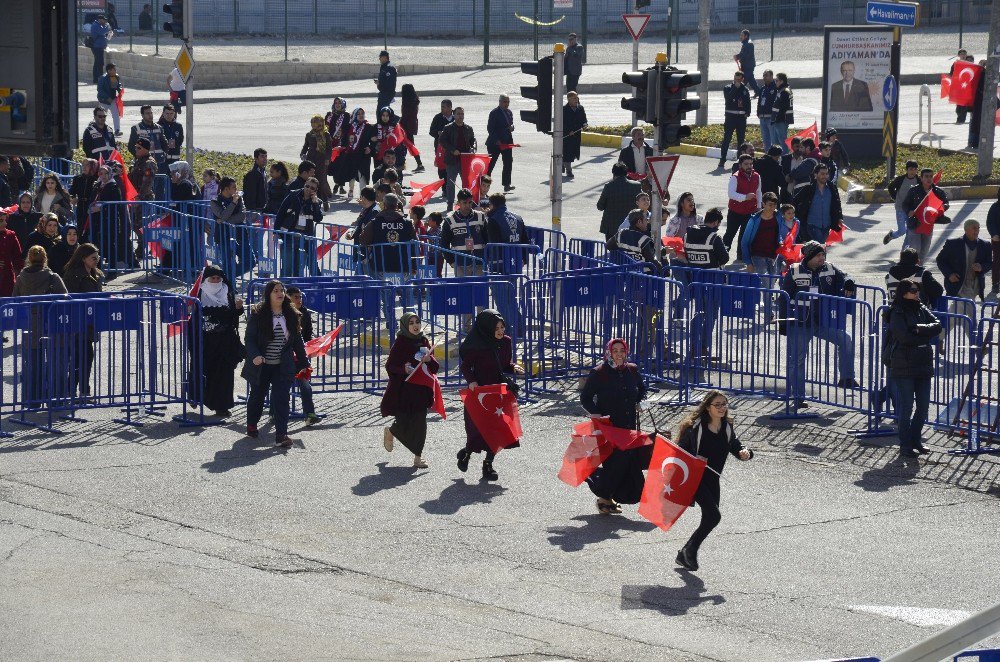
422,193
439,157
789,250
474,166
587,451
156,248
422,376
672,480
130,193
676,243
177,327
621,438
937,176
634,176
493,410
336,152
119,104
503,146
965,79
396,138
197,285
928,211
811,132
323,344
835,237
945,86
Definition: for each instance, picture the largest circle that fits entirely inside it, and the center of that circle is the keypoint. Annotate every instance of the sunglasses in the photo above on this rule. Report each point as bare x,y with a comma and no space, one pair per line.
721,405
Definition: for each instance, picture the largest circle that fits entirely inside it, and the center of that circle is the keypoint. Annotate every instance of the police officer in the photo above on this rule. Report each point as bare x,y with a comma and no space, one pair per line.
502,225
765,101
98,140
705,250
152,132
506,227
807,318
635,239
389,253
464,231
737,97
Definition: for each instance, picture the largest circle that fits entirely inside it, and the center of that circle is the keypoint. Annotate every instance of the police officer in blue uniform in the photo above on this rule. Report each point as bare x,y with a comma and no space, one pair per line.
705,251
737,97
464,231
505,227
635,239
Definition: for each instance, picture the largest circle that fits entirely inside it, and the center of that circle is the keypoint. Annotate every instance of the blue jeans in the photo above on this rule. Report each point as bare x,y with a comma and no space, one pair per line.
900,230
765,132
819,234
452,173
765,266
911,421
751,81
799,338
306,395
779,133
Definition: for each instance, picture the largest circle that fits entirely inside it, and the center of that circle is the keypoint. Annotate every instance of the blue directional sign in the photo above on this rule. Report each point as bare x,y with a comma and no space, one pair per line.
901,14
890,93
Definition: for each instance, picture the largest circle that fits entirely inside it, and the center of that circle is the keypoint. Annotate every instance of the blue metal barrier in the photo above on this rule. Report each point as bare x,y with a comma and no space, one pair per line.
981,655
592,248
546,238
513,259
556,261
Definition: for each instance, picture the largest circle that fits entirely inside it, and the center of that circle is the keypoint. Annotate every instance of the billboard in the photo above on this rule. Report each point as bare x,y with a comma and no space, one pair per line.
857,64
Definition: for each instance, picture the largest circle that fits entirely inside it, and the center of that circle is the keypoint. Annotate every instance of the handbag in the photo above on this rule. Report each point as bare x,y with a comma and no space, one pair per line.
509,381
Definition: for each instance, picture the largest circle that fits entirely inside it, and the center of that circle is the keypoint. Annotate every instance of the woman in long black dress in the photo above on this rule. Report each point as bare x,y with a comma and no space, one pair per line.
355,164
487,354
615,390
222,350
708,432
574,122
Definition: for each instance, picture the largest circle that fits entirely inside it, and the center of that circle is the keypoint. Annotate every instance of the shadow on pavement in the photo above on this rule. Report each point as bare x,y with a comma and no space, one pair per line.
245,452
670,600
386,479
897,473
596,528
461,493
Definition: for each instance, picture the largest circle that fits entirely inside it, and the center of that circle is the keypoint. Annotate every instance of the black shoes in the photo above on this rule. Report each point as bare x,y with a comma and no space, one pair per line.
488,472
463,459
687,559
906,451
920,448
848,382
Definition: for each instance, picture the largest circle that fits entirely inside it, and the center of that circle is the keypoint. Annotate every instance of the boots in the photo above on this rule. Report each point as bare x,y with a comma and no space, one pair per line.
488,472
687,558
463,459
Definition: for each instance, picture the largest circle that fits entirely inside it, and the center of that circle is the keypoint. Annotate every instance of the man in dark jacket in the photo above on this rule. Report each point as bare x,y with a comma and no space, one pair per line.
386,81
993,230
573,65
152,132
173,136
456,139
916,195
737,98
765,101
706,255
438,123
747,60
98,139
772,180
307,169
898,189
818,207
634,239
499,131
804,318
617,199
300,213
782,112
255,182
964,262
635,153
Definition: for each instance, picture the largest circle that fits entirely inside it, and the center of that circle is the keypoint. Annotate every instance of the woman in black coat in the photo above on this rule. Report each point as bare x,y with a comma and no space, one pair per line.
615,390
708,432
61,253
574,122
912,327
25,220
221,349
277,188
406,401
356,162
275,354
83,276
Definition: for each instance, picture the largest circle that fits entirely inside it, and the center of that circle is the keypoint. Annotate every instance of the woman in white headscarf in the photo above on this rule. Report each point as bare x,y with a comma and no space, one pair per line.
221,348
183,186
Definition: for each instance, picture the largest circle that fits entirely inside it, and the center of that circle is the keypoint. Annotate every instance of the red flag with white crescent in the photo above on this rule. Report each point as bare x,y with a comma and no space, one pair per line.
474,166
811,132
493,410
156,248
945,86
620,438
585,453
130,193
422,376
671,483
964,82
422,193
322,345
927,212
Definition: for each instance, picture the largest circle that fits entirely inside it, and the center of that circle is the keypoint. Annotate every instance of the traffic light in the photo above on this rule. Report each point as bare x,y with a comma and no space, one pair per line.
643,104
674,104
175,10
542,93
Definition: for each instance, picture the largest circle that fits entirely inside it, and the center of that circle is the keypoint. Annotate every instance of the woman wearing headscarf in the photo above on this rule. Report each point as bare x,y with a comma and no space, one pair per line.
183,186
408,110
316,148
48,234
25,219
337,123
574,122
355,164
80,190
221,349
708,432
387,122
83,276
912,327
11,255
61,253
406,401
107,225
275,354
615,390
487,354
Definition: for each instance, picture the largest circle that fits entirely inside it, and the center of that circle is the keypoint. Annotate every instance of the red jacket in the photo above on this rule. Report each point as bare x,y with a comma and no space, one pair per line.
11,260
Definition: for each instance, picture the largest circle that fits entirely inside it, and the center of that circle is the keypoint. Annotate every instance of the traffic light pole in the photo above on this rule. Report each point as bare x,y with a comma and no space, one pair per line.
635,67
189,86
656,204
555,179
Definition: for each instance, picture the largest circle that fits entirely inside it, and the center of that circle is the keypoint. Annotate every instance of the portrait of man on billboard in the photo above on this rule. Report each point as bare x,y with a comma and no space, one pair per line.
849,94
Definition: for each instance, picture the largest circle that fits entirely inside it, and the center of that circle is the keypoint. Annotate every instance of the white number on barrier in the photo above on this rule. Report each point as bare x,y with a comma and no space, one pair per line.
737,305
331,298
359,303
452,301
8,312
62,319
584,291
116,317
90,311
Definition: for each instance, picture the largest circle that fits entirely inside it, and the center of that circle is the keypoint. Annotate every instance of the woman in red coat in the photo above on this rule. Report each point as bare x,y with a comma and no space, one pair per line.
406,401
487,353
11,259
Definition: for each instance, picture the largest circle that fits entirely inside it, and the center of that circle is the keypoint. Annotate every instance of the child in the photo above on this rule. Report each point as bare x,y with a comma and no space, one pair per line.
407,401
417,214
305,386
825,157
432,230
789,224
484,192
210,180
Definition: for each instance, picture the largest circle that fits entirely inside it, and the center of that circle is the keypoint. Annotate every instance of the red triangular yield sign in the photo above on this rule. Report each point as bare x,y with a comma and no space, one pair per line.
661,169
636,23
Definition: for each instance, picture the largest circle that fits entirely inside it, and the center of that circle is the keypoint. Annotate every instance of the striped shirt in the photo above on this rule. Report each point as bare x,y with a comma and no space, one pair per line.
272,353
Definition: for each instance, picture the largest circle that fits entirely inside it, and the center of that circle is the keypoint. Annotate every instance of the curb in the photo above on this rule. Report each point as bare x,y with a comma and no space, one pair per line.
881,196
615,142
153,101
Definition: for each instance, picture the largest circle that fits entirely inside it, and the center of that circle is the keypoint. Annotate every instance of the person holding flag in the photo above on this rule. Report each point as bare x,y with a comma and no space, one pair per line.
923,205
487,357
500,137
708,432
221,349
407,399
456,138
616,391
305,386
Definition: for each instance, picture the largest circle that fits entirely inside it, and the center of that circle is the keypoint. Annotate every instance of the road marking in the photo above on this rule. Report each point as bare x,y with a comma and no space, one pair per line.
919,616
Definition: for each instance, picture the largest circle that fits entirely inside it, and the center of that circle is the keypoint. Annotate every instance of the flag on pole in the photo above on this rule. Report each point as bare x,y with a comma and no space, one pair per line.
493,410
811,132
474,166
422,376
322,345
587,451
671,483
835,237
927,212
965,78
119,103
937,176
422,193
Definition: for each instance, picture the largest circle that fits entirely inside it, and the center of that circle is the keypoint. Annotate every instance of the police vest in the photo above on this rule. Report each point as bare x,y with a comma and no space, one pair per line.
632,241
391,228
804,278
467,233
509,225
891,282
698,245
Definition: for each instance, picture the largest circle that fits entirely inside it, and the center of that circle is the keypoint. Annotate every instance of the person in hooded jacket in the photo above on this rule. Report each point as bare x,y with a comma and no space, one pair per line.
24,220
616,390
408,110
407,401
708,432
487,355
912,328
221,349
11,255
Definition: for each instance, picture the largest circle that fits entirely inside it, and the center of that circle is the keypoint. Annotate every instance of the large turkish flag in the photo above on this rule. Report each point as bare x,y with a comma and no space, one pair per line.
672,480
493,410
587,451
474,166
964,81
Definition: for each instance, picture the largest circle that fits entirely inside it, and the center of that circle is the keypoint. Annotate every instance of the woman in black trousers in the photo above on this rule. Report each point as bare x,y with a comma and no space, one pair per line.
275,354
912,327
708,432
615,390
83,276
